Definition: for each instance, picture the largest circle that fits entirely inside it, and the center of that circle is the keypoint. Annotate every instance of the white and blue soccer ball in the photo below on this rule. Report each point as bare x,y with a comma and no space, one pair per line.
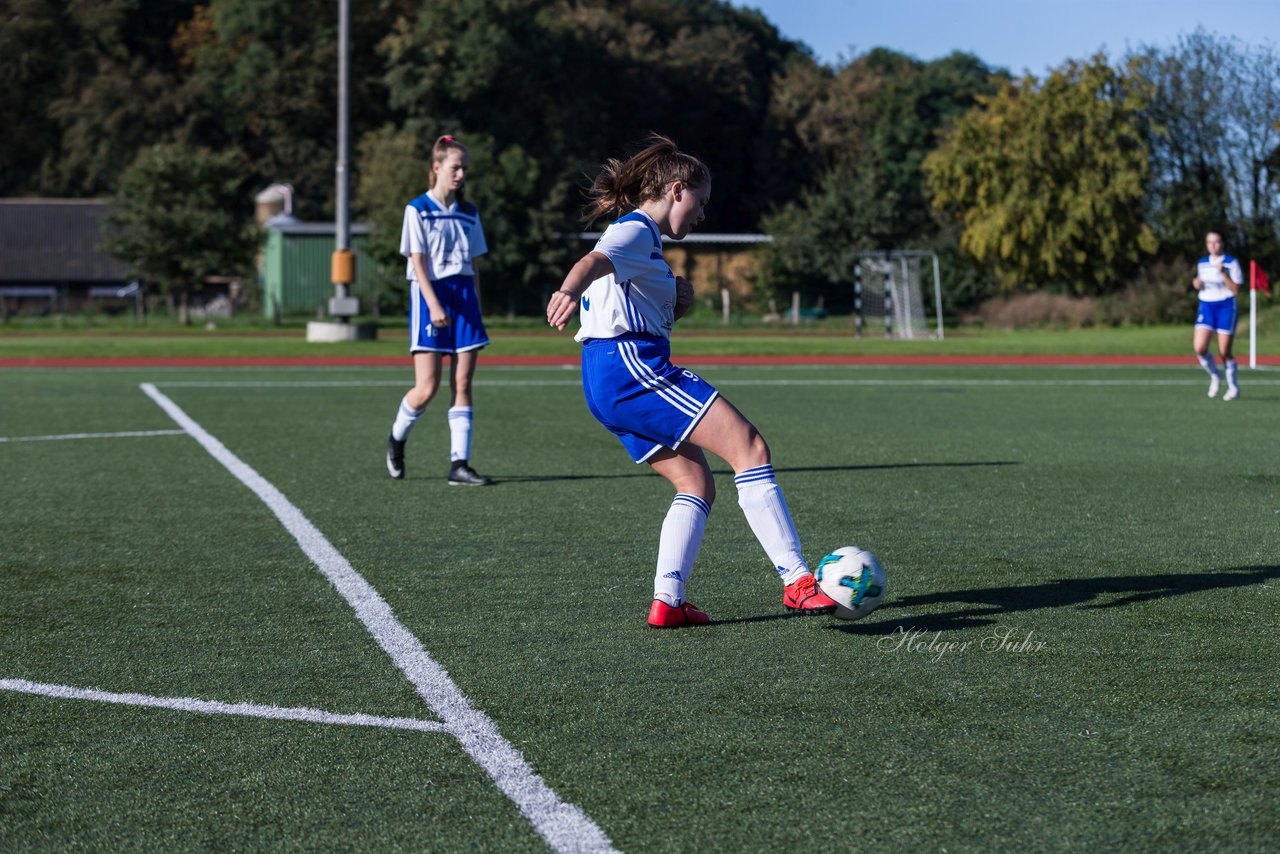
854,578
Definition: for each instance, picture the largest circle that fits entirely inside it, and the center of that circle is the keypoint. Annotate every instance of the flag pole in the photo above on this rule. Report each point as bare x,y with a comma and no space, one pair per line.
1253,328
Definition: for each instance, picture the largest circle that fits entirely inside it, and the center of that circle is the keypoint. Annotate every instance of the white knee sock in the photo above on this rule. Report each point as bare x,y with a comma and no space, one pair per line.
459,433
405,419
766,510
678,548
1207,362
1232,366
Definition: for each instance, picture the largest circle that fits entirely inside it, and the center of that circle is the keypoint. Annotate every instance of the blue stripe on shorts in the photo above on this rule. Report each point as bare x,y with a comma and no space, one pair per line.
1219,315
457,294
632,388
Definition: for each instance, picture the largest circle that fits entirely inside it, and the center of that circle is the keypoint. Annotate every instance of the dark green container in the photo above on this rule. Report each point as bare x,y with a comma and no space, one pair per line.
296,268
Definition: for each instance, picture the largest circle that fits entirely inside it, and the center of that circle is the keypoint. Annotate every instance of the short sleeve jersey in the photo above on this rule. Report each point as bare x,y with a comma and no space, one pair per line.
449,238
640,295
1215,287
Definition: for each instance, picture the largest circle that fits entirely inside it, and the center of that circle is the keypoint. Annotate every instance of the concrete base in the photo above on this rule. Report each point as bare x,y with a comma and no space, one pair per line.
327,331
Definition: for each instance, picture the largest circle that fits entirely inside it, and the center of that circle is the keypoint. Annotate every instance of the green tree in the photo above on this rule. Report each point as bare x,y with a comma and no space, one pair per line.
33,37
1215,147
865,130
179,216
260,79
1048,179
595,77
93,83
816,240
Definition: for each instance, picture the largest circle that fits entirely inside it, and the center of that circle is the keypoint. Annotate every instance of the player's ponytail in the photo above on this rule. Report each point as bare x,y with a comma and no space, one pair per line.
624,185
442,148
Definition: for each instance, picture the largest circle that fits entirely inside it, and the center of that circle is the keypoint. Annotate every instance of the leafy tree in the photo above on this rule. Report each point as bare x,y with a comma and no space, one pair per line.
32,52
102,81
261,80
179,216
816,240
1215,147
867,128
594,78
1048,179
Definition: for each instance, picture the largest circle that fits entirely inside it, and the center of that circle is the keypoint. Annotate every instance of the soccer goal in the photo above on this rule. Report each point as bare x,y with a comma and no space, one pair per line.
889,294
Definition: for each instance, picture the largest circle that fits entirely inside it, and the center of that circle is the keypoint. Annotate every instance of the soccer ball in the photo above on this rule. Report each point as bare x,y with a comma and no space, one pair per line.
854,578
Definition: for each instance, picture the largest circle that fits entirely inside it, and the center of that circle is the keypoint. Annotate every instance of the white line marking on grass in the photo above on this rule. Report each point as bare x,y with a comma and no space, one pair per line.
564,826
728,381
128,434
213,707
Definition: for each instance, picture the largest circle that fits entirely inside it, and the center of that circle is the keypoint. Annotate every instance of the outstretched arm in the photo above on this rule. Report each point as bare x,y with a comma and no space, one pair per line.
564,302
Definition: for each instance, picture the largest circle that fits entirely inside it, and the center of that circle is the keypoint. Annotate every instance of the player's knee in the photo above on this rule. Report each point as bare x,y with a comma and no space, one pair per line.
757,451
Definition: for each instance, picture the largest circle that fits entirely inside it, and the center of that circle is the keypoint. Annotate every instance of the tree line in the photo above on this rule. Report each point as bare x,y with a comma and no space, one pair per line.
1077,183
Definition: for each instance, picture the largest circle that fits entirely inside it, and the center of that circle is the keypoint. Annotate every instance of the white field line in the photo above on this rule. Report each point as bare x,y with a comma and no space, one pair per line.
719,381
127,434
213,707
564,826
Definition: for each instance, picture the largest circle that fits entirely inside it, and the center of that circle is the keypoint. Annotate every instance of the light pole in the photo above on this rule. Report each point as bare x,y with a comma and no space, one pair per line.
343,306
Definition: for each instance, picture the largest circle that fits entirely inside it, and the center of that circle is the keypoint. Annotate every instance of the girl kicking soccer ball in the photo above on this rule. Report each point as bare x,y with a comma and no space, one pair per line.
441,237
666,416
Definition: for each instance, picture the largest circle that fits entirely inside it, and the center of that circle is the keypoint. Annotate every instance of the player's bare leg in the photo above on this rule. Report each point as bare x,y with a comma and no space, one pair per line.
725,432
1200,341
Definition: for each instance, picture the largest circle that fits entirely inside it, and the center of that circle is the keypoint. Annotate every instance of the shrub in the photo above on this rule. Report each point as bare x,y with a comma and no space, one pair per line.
1038,310
1161,293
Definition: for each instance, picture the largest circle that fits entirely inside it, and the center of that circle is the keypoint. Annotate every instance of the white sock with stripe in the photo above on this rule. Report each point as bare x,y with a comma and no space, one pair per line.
459,433
1210,366
1232,366
762,503
678,547
405,419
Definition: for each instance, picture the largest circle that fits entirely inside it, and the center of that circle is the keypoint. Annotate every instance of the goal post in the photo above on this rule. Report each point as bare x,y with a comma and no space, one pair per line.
889,293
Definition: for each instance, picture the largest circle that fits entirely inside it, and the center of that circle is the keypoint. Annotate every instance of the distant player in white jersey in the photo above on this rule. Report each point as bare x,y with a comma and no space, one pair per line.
1218,279
663,415
441,238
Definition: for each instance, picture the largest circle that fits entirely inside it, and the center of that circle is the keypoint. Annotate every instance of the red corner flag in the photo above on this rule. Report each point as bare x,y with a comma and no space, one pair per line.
1258,279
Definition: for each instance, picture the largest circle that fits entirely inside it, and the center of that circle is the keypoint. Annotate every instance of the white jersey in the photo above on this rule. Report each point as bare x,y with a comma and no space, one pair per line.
1215,287
448,237
641,294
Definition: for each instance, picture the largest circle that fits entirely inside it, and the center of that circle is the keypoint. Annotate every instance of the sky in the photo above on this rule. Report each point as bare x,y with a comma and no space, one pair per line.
1018,35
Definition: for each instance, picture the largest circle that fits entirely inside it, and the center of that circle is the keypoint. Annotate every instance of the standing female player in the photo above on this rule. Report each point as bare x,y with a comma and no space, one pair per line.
441,237
1218,279
666,416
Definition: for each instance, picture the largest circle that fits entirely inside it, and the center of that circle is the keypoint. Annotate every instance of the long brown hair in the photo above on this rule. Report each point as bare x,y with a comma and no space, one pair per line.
623,185
439,151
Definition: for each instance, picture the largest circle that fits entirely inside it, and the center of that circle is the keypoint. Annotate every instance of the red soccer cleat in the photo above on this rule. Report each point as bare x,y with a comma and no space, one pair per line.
803,595
663,616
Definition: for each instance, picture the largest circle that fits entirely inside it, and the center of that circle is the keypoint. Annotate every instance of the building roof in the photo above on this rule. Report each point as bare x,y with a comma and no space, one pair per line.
54,241
288,224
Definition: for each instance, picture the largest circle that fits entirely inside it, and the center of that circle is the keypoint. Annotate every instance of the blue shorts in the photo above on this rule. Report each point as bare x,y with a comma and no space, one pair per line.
633,389
1219,316
457,294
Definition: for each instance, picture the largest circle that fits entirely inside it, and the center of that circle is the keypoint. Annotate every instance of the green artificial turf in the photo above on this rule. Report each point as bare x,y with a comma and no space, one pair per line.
1078,648
700,334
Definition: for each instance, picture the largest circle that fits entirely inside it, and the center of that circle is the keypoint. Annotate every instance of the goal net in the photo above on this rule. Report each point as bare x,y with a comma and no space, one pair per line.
892,291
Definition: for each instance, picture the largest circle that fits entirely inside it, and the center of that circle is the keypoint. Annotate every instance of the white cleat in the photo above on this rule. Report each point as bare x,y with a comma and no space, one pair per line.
1213,386
1233,391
